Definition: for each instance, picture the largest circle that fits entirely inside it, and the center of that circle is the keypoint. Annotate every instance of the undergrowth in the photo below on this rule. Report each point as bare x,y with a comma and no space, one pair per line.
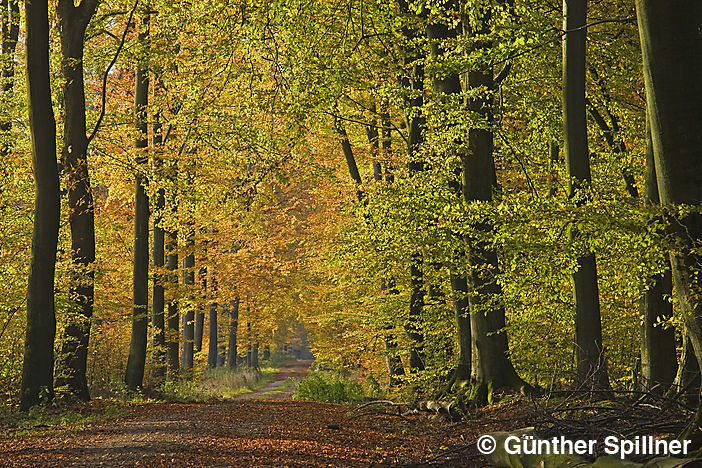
220,383
328,387
58,417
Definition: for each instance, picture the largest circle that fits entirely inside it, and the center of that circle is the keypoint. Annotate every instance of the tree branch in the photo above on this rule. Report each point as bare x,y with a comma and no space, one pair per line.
107,73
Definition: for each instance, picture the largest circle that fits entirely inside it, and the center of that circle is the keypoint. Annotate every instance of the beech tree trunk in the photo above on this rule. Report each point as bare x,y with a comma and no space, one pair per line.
38,366
445,86
73,357
392,360
158,300
214,338
189,281
199,314
412,80
589,351
173,320
140,314
233,325
672,53
658,346
491,366
254,355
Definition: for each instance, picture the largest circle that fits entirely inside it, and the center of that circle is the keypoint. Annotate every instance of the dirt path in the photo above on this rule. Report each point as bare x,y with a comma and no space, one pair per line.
281,387
249,431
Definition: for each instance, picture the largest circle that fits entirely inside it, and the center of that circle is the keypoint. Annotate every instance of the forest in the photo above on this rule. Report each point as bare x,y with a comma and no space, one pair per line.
476,206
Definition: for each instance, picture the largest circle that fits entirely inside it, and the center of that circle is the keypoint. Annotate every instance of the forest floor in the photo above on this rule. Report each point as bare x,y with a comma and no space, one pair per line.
263,428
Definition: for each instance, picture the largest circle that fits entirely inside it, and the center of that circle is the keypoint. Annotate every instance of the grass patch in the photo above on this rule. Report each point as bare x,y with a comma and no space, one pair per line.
328,387
216,384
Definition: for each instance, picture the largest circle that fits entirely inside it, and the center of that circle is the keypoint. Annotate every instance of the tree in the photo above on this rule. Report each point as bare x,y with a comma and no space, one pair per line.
214,341
672,67
159,258
233,325
137,347
173,318
589,351
200,313
447,84
189,280
658,346
412,81
491,365
73,357
38,367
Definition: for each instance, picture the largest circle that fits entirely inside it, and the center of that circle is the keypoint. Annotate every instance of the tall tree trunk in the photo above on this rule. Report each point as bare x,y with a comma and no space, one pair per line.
38,366
222,343
73,357
374,141
392,360
233,325
137,348
214,337
687,380
158,300
658,347
416,125
491,365
254,355
412,80
200,314
173,320
249,343
672,53
445,86
589,351
554,153
189,281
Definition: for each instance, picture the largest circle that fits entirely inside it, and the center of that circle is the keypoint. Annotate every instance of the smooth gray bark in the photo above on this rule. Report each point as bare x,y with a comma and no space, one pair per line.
672,53
658,346
671,46
589,351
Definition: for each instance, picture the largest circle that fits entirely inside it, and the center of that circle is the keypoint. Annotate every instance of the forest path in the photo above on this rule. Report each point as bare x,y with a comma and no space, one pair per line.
258,429
280,388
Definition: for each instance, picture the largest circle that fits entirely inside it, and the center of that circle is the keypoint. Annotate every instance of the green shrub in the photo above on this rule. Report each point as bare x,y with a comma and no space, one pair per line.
330,388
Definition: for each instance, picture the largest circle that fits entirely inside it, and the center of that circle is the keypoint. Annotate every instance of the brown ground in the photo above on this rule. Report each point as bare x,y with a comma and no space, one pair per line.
250,431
